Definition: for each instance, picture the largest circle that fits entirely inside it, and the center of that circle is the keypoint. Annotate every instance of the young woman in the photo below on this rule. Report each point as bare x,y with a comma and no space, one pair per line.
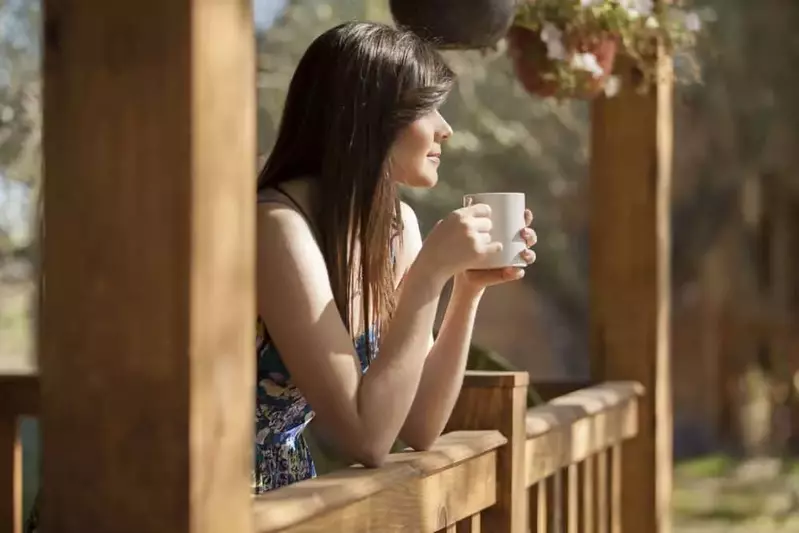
342,268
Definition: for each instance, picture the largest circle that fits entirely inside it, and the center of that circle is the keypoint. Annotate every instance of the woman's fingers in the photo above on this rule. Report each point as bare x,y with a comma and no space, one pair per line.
486,278
530,237
482,224
528,256
493,247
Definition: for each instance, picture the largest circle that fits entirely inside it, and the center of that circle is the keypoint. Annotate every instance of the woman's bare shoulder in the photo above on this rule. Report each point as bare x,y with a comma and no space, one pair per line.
287,209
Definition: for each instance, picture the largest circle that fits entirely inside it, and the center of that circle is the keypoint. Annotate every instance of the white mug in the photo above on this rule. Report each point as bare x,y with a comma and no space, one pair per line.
507,218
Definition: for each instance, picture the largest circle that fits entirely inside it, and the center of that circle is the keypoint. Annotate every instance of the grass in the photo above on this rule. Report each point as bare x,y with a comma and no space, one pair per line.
722,504
709,466
719,493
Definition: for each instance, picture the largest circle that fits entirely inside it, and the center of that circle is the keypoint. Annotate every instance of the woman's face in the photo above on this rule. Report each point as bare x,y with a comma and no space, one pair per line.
416,154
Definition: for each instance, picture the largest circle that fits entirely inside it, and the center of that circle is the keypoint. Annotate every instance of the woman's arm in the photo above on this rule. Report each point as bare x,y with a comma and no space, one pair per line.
444,367
361,413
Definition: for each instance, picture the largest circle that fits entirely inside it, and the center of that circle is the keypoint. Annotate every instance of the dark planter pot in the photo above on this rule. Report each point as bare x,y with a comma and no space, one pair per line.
528,55
457,24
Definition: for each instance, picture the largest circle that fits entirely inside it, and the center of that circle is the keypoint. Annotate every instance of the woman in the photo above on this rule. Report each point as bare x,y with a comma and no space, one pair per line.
342,268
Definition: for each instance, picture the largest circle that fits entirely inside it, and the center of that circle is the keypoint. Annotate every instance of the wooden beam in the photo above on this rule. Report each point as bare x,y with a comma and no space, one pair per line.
10,475
631,152
147,323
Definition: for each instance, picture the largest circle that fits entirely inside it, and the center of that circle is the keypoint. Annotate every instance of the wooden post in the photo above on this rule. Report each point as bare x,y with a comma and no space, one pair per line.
147,365
631,149
10,474
498,400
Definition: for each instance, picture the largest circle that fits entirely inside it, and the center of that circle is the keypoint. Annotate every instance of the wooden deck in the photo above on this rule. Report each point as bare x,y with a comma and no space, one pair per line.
561,470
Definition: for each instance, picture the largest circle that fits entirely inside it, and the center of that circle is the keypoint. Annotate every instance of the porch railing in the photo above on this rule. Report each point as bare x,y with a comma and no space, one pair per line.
19,396
500,467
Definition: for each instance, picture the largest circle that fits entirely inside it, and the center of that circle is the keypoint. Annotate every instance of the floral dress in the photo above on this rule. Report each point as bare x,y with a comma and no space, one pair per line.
282,414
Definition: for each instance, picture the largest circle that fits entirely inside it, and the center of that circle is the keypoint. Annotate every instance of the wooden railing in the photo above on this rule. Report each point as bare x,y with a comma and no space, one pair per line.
442,489
19,396
500,467
573,458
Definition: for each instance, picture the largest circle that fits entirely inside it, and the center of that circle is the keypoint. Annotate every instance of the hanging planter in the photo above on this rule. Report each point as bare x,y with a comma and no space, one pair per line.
567,48
579,68
456,24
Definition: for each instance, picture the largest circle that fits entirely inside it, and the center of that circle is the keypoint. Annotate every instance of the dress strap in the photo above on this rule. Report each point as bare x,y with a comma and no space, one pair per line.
289,200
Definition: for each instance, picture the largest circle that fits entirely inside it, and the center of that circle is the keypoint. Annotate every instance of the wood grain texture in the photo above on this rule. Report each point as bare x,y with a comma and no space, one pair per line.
571,509
148,275
415,491
572,428
538,517
588,495
631,165
488,401
616,481
603,491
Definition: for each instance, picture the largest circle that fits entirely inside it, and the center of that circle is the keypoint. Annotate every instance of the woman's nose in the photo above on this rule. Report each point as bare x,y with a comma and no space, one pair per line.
444,131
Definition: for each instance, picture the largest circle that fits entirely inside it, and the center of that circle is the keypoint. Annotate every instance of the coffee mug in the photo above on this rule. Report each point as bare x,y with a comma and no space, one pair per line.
507,218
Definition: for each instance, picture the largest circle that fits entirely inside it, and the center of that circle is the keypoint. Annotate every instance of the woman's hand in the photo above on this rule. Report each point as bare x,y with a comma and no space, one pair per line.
478,280
458,242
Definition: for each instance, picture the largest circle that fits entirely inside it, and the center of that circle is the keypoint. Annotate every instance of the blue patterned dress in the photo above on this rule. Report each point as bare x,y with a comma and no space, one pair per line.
282,454
282,414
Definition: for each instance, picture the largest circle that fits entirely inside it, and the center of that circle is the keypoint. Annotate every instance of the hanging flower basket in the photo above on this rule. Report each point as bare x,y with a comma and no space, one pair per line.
567,48
539,65
456,24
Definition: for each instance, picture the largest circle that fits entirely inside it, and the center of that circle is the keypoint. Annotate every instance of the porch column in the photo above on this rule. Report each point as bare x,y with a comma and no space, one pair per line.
631,152
147,331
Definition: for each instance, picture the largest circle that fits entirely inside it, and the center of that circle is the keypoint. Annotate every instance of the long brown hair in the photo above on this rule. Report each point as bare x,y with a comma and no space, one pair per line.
355,88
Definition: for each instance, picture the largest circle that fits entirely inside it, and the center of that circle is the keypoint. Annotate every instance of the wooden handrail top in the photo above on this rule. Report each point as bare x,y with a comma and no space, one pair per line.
573,427
407,488
19,393
581,404
495,379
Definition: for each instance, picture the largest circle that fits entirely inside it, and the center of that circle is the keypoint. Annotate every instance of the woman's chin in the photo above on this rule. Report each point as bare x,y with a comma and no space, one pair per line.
424,181
418,180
